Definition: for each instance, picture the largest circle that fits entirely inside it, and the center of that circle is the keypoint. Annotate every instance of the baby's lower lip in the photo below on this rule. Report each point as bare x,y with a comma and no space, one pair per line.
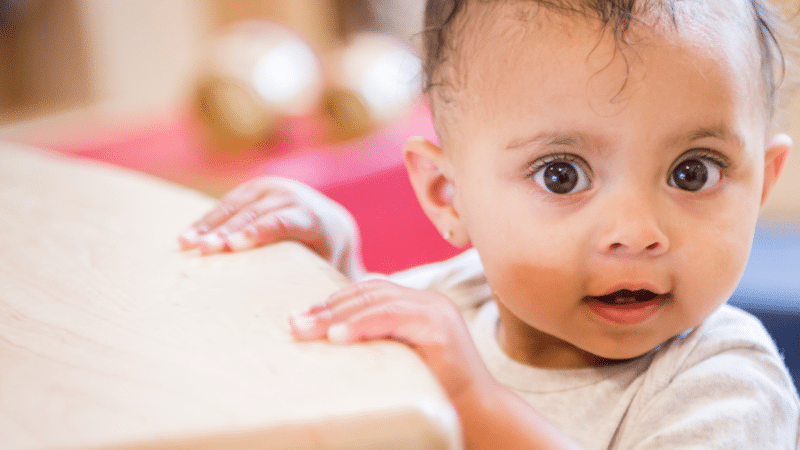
629,313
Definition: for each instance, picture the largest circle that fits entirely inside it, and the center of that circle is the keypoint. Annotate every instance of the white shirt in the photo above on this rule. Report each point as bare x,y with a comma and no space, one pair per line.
722,385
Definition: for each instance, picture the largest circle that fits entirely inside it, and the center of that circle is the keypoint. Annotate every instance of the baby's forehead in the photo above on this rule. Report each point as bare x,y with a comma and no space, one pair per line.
489,36
609,13
707,22
704,21
495,41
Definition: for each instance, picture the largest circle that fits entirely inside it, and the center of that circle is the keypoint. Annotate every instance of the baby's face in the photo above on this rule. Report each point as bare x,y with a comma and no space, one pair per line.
611,211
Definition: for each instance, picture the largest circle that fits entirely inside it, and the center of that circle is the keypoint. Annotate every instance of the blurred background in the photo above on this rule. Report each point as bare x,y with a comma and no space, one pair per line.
130,59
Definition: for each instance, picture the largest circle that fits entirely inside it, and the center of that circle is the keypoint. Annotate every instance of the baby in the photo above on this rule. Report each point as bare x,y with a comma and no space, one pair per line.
607,161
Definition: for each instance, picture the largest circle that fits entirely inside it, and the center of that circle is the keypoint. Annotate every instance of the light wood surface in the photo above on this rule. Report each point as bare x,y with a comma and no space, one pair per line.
110,337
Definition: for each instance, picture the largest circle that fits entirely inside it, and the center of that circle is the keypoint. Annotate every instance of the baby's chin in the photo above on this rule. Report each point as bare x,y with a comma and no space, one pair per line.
617,359
623,354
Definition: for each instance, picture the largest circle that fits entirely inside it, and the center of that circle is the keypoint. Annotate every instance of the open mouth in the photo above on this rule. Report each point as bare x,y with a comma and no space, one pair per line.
626,307
626,297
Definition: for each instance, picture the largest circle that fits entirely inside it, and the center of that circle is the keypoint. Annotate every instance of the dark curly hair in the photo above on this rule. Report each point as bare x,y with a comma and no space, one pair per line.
615,15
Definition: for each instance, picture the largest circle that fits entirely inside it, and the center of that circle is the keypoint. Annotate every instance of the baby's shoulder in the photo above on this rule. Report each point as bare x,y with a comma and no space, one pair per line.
729,330
718,379
730,343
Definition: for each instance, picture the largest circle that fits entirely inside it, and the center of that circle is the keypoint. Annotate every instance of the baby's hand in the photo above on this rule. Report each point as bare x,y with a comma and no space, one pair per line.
491,415
426,321
270,209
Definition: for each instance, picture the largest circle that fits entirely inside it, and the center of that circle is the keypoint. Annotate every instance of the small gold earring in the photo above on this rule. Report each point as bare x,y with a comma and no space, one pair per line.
447,235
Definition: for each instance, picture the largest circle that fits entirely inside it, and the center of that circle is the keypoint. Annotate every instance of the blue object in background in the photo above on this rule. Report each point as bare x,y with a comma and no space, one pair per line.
770,288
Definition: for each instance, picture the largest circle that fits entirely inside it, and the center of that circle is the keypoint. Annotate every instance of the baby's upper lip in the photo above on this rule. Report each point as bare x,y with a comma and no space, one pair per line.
638,290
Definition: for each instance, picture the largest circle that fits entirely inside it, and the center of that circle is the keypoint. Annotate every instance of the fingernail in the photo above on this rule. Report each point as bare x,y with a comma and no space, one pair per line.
303,323
338,333
213,242
783,138
191,235
317,308
239,241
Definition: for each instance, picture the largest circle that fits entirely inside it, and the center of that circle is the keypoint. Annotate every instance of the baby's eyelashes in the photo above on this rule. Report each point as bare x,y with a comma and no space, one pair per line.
700,171
561,174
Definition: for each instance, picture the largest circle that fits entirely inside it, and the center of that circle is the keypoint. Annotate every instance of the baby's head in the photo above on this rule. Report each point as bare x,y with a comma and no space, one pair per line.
607,159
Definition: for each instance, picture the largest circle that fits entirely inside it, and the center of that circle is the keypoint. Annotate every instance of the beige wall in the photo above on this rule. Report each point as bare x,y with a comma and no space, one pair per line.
143,53
127,56
41,68
784,203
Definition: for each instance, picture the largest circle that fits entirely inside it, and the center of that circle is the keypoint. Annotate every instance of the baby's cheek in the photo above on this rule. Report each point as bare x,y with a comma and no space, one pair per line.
710,273
532,292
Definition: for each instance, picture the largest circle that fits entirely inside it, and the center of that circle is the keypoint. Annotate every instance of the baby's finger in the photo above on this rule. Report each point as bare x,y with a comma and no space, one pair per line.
230,204
241,230
407,322
191,236
286,223
314,322
307,328
355,297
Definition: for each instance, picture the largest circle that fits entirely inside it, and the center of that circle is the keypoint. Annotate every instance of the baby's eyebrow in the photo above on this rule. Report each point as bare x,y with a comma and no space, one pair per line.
557,139
588,141
721,132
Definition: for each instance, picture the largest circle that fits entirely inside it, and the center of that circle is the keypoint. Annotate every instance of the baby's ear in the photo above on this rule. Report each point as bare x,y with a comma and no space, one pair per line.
774,159
433,184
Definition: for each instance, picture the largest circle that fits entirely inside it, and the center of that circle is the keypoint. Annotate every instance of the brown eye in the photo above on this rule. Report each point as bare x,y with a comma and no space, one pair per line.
561,177
695,175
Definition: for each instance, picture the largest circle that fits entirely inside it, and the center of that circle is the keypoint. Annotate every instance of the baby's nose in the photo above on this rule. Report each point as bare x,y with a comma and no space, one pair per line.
631,226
